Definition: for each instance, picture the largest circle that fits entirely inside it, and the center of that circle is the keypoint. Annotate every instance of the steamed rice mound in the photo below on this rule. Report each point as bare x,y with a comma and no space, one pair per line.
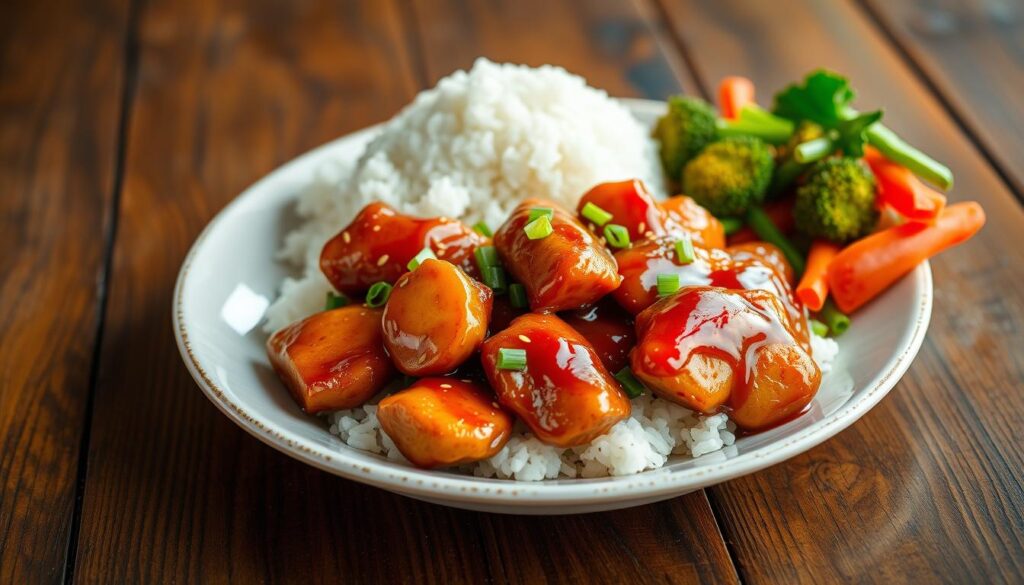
471,148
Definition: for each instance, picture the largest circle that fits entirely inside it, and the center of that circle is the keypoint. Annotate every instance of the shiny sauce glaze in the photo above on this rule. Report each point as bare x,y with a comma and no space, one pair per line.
608,328
439,422
565,270
711,349
631,206
564,393
332,360
435,318
641,265
380,242
704,228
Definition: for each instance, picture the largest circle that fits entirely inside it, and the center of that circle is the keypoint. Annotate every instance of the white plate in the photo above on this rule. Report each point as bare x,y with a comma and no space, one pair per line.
230,275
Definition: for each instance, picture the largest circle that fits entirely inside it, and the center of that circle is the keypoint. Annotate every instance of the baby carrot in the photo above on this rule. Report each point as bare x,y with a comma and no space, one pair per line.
899,188
733,94
813,287
870,265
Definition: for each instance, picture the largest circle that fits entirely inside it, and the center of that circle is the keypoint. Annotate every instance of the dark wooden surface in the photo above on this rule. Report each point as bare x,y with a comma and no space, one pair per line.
115,469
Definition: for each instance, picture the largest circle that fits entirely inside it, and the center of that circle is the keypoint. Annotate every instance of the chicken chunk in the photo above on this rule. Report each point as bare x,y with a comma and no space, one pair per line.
332,360
380,242
562,392
608,328
435,318
630,205
440,422
567,269
713,349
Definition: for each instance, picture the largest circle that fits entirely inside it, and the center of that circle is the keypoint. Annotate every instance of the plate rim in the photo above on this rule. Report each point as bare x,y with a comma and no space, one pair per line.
402,478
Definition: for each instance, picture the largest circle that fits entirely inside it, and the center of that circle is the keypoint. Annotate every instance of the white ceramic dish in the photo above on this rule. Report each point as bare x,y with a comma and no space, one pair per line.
230,275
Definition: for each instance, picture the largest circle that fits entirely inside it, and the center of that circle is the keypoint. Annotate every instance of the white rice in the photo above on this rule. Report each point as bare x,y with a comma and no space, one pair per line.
471,148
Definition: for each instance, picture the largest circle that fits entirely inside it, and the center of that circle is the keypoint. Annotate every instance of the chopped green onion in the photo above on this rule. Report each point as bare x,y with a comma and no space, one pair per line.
418,259
819,328
684,250
482,229
667,284
616,235
494,277
813,150
836,320
539,228
335,301
731,224
378,295
766,229
596,214
630,384
517,296
536,212
511,359
486,256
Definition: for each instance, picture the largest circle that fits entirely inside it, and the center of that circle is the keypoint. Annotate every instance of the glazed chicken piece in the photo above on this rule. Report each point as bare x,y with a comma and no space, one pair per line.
766,253
332,360
711,349
704,228
380,242
747,270
630,205
562,391
435,318
566,269
440,422
608,328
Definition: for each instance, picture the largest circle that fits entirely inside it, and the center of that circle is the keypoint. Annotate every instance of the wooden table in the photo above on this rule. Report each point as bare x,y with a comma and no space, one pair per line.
126,124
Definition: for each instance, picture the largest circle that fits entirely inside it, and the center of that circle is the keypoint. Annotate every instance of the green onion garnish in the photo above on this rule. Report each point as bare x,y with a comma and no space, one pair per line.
517,296
684,250
539,228
482,229
836,320
819,328
335,301
494,277
536,212
378,295
667,284
511,359
731,224
596,214
486,256
420,258
616,235
630,384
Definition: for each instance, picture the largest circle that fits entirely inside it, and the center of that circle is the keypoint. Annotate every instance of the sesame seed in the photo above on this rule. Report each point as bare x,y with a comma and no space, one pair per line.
642,227
376,228
524,339
382,260
446,385
347,238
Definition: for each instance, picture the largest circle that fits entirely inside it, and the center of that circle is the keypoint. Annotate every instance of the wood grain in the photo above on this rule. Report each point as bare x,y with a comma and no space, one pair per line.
973,53
175,491
61,76
930,485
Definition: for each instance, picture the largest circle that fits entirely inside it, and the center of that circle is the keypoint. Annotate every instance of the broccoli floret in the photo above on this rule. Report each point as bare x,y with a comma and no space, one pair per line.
787,169
730,175
687,127
804,132
837,201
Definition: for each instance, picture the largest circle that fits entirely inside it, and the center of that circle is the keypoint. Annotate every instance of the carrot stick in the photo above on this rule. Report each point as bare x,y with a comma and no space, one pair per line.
813,287
899,188
733,94
870,265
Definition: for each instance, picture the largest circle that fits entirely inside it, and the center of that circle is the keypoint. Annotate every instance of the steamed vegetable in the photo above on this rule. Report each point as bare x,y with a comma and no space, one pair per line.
902,191
766,229
825,97
733,94
813,287
869,266
788,168
754,121
837,202
687,127
730,175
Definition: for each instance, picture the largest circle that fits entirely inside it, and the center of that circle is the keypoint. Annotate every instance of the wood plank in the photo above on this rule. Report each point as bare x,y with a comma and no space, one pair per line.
609,44
61,74
930,485
972,53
